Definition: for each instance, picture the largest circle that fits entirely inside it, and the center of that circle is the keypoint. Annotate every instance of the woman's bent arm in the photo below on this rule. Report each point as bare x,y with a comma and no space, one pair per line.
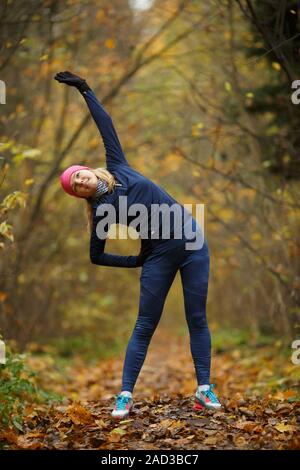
97,255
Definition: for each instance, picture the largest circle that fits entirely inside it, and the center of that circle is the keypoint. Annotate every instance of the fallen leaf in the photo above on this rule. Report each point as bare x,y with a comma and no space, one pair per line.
119,431
79,415
239,441
282,427
210,441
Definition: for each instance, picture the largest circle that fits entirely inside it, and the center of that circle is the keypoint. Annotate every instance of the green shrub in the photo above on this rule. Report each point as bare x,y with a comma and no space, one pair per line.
18,389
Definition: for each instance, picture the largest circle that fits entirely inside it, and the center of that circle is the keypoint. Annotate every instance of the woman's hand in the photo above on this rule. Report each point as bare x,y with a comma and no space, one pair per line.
71,79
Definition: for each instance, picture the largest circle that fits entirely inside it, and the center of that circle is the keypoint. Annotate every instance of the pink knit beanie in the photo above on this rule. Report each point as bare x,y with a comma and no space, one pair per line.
65,178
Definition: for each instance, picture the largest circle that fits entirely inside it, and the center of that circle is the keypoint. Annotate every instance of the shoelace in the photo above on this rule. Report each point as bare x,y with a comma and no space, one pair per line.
211,394
122,400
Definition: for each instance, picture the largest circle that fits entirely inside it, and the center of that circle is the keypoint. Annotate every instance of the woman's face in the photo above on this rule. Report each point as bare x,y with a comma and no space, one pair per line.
84,183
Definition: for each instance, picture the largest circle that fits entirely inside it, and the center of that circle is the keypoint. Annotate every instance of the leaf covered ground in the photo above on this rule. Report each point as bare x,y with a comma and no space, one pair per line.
258,388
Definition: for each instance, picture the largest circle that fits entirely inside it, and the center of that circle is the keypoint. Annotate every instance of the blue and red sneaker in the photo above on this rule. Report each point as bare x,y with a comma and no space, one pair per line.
206,399
122,406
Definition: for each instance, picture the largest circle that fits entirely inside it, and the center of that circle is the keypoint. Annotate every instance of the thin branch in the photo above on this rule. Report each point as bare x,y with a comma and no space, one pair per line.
272,47
159,32
250,248
235,179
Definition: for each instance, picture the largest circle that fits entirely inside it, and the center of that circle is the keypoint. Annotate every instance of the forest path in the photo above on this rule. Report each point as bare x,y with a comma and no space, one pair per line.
252,417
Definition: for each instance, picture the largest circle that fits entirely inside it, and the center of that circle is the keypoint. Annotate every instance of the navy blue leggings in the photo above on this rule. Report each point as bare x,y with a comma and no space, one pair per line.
158,273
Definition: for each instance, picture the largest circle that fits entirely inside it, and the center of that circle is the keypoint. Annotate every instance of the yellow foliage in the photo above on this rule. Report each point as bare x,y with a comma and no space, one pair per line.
157,46
100,15
6,231
226,214
170,163
19,108
228,87
276,66
110,43
196,129
247,193
93,142
282,427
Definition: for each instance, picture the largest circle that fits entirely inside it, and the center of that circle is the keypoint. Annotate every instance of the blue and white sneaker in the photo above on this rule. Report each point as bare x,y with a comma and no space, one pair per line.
122,406
206,399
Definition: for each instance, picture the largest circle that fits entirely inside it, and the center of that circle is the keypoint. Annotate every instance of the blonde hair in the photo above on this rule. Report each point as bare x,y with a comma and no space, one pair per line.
106,176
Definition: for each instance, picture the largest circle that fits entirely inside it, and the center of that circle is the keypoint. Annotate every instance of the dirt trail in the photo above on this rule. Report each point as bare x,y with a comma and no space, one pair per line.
163,415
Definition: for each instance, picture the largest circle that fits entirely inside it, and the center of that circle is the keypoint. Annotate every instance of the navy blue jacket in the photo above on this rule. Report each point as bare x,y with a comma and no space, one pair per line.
133,184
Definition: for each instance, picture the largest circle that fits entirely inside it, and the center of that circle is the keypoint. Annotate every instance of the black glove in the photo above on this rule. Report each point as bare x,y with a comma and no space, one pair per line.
143,254
71,79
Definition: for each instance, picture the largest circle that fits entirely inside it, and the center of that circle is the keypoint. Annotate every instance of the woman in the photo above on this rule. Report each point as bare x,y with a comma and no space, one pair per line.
160,256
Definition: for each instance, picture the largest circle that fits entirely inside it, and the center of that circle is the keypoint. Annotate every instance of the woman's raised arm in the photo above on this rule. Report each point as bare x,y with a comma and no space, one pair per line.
113,149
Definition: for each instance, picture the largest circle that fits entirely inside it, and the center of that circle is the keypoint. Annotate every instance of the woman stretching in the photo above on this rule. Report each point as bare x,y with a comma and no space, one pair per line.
160,256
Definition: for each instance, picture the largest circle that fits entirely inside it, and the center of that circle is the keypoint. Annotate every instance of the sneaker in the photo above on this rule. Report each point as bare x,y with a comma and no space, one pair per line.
206,399
122,406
